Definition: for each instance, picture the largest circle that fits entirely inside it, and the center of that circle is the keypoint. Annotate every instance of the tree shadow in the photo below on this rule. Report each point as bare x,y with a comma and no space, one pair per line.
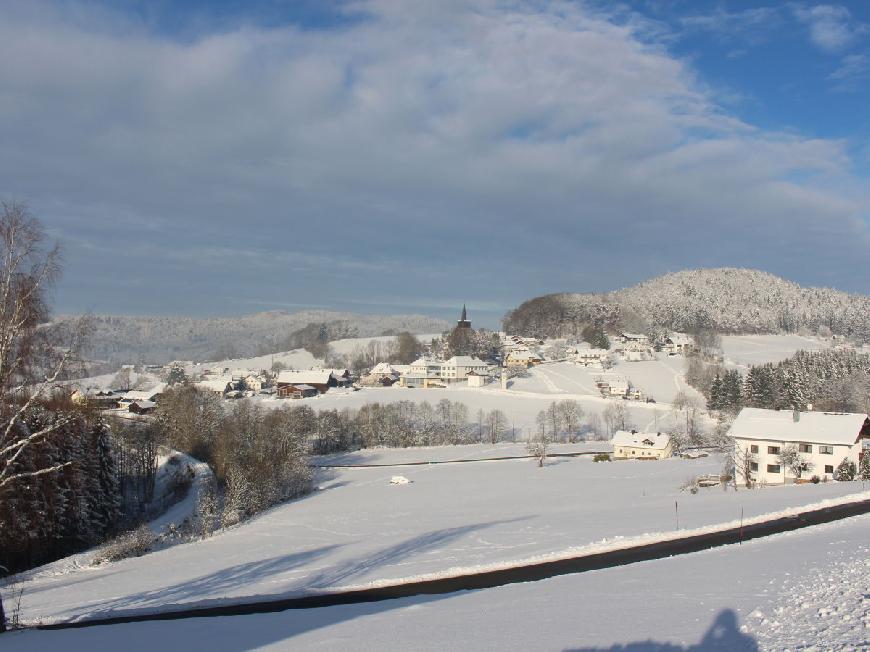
207,585
724,635
393,554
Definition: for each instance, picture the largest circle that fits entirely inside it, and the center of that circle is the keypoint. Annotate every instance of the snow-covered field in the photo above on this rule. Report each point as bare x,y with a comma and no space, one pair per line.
799,590
744,350
358,529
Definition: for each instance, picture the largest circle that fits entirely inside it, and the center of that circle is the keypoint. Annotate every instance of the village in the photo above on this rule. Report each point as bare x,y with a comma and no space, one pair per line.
527,366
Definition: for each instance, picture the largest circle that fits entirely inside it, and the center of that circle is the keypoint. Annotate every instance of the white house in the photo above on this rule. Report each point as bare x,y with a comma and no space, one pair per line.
641,445
679,343
459,366
521,357
591,357
823,440
426,372
613,384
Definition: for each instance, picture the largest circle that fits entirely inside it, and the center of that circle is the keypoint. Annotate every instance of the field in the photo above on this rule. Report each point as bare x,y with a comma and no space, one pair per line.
761,595
358,529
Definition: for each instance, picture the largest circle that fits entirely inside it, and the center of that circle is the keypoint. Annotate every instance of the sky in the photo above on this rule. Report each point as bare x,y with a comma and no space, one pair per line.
220,158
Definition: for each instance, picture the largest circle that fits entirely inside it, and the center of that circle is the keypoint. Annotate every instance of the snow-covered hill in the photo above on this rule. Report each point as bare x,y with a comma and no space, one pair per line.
119,339
730,300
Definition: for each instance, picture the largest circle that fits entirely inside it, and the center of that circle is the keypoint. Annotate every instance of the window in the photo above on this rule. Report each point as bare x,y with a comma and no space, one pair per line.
829,468
773,450
773,468
806,448
826,450
753,466
753,448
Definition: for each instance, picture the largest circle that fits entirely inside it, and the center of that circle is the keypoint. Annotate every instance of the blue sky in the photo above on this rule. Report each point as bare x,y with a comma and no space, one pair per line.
384,156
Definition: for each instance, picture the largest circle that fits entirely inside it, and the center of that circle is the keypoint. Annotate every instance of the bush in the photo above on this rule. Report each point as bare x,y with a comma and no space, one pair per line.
846,471
815,479
130,544
601,457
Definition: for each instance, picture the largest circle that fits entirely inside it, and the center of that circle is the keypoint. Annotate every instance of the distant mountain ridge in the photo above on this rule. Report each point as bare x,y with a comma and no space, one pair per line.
729,300
119,339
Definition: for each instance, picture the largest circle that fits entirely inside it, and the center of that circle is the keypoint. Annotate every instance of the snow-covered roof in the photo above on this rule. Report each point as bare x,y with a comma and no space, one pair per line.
464,361
145,395
383,368
425,362
811,427
650,440
146,405
310,377
592,352
304,387
215,384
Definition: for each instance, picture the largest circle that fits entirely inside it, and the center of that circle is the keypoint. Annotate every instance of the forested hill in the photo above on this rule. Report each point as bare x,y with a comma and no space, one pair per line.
728,300
130,339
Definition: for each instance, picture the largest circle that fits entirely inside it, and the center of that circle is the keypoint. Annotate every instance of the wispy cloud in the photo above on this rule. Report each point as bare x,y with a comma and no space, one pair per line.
854,70
753,26
831,27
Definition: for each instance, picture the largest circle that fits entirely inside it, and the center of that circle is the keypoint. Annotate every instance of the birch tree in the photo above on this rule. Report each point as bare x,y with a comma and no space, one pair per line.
31,357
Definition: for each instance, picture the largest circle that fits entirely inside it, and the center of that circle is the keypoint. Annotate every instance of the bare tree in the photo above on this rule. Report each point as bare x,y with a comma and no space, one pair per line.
790,458
31,357
743,461
616,417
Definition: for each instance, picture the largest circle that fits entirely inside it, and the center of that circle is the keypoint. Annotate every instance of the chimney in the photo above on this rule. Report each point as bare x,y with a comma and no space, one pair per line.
796,415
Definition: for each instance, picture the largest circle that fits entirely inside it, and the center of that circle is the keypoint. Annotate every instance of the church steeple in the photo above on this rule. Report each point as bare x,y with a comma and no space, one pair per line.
463,320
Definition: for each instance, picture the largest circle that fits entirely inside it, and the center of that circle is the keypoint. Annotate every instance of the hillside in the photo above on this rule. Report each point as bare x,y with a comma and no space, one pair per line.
729,300
119,339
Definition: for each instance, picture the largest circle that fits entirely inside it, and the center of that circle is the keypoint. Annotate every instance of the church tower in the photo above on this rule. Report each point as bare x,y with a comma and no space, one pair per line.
463,320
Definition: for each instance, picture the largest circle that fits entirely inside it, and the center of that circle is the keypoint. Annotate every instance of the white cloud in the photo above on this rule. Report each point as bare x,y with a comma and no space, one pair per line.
508,149
832,27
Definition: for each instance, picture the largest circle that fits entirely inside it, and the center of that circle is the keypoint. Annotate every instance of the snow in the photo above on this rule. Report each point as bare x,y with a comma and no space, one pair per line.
730,598
358,530
744,350
816,427
186,507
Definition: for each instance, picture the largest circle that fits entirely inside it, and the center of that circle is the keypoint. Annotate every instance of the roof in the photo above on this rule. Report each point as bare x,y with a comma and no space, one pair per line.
383,368
145,395
145,405
815,427
659,441
310,377
215,384
303,387
465,361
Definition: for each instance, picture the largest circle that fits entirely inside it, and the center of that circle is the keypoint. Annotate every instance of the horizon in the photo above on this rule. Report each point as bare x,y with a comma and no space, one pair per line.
491,318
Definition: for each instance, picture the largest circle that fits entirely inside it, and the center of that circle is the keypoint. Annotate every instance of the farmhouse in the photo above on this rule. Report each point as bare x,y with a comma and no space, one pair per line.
319,379
641,445
219,385
297,391
521,357
822,440
102,399
152,395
